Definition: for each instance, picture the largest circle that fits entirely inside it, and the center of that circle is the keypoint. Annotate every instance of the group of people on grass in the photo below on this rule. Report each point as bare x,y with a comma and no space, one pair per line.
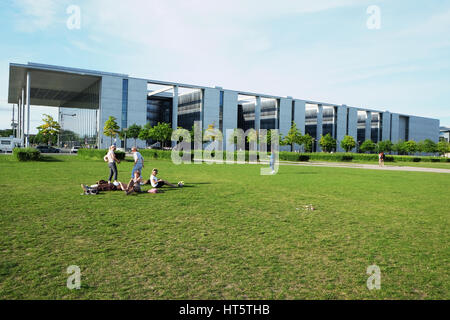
135,183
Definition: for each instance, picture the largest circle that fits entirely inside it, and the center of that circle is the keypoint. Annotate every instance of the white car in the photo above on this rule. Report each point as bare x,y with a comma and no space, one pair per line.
75,149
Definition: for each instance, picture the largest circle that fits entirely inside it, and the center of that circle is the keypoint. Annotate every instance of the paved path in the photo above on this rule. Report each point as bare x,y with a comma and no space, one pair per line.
364,166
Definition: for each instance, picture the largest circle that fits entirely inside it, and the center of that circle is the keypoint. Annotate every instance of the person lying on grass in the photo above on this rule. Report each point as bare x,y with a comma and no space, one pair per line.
101,185
159,183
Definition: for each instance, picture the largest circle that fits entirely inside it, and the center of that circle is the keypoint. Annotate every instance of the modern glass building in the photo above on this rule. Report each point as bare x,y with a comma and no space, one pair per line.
87,98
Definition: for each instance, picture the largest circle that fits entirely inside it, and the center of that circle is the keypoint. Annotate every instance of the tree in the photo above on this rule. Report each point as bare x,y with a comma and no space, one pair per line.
411,146
427,146
384,146
144,134
368,146
400,147
133,132
348,143
308,142
443,147
162,132
294,136
111,128
6,133
327,142
49,129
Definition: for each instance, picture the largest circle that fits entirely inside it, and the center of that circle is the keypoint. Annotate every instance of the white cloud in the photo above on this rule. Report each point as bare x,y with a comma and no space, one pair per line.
35,15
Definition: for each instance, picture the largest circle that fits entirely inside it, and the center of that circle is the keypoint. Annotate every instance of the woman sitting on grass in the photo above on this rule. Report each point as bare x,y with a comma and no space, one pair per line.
134,185
159,183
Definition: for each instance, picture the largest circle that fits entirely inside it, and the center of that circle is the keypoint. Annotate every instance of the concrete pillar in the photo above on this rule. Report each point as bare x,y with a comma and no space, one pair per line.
137,107
368,134
258,113
386,125
319,126
175,108
211,107
285,119
299,117
353,124
19,115
230,110
22,127
341,125
28,109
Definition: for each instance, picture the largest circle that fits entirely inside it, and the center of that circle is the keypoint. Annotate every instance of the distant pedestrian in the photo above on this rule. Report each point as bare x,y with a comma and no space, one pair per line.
112,160
272,162
138,162
381,157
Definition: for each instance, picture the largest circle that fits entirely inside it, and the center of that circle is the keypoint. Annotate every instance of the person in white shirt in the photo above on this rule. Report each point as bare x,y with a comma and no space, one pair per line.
112,160
158,183
138,162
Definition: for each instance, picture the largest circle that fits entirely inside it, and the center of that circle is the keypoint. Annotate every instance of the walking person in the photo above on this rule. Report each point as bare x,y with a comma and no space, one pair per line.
381,159
112,160
138,162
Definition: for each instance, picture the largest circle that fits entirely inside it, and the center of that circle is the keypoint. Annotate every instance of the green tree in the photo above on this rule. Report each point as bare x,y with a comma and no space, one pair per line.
327,142
133,132
294,136
400,147
384,146
368,146
49,129
162,132
443,147
348,143
145,133
6,133
111,128
411,146
308,142
427,146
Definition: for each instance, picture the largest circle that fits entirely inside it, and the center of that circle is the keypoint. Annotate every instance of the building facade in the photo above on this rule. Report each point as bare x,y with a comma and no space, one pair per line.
140,101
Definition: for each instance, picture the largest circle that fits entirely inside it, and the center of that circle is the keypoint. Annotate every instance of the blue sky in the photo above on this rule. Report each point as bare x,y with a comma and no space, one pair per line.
318,50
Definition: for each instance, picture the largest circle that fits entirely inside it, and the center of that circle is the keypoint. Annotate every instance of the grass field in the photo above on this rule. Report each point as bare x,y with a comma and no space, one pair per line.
229,234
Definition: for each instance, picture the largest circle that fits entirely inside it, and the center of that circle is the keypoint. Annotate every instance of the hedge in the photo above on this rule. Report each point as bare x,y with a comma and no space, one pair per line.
97,154
27,154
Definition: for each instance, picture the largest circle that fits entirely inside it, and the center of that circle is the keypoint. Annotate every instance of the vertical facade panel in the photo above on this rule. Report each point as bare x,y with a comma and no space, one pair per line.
285,119
395,126
230,110
341,126
386,129
110,105
299,117
211,107
319,126
368,135
137,107
353,124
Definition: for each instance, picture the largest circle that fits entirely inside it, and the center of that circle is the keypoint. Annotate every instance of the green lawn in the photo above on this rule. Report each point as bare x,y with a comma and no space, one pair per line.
229,234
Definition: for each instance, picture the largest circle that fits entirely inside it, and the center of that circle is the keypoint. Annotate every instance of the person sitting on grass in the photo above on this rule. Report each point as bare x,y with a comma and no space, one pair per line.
159,183
134,185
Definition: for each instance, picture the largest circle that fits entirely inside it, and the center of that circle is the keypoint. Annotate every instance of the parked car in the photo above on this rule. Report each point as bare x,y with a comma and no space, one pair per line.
47,149
75,149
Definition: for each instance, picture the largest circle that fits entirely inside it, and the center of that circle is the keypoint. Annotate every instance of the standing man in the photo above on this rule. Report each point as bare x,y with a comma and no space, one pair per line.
138,162
112,160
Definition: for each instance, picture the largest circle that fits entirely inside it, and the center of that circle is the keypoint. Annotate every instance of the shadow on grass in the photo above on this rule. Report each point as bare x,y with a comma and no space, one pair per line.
49,159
